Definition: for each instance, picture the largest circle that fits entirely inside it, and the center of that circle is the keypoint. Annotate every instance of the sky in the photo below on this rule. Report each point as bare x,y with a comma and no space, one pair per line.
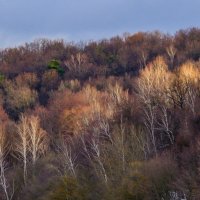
84,20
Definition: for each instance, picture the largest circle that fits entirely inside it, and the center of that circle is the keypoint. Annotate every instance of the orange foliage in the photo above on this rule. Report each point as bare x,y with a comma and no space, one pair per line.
71,112
65,110
71,120
29,79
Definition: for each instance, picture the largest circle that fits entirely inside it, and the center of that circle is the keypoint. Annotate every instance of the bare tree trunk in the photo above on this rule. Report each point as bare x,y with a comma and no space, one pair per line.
3,152
150,118
22,143
164,124
3,181
69,158
171,52
97,155
191,99
38,139
122,143
93,154
142,140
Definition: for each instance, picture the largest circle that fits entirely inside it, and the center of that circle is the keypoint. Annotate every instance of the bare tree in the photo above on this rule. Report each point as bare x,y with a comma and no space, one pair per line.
38,139
119,143
171,52
30,143
191,97
117,94
93,152
22,143
139,141
76,62
105,130
85,151
154,80
146,87
150,123
143,58
69,156
164,123
96,153
3,152
190,78
177,92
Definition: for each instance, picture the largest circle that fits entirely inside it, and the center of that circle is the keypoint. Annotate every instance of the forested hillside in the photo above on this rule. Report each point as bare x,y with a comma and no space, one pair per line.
116,119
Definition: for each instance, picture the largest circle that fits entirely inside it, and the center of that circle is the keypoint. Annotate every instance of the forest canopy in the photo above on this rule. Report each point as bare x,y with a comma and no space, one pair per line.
116,119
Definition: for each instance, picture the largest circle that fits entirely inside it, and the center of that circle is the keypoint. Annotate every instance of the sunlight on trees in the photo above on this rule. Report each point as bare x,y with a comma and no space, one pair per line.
112,119
153,85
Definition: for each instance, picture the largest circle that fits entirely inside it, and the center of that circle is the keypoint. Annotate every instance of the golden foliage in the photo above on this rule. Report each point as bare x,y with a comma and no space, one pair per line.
189,73
154,81
22,97
117,94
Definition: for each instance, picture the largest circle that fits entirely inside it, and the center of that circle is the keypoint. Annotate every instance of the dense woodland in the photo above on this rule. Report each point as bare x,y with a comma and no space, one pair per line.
113,119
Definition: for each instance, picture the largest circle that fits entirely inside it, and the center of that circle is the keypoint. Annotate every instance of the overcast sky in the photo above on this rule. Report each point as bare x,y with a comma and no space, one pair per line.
75,20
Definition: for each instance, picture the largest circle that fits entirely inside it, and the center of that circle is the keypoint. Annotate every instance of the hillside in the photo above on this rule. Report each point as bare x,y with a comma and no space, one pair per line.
112,119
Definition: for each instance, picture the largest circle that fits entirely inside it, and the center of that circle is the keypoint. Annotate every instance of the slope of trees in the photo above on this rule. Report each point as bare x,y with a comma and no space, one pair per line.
113,119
